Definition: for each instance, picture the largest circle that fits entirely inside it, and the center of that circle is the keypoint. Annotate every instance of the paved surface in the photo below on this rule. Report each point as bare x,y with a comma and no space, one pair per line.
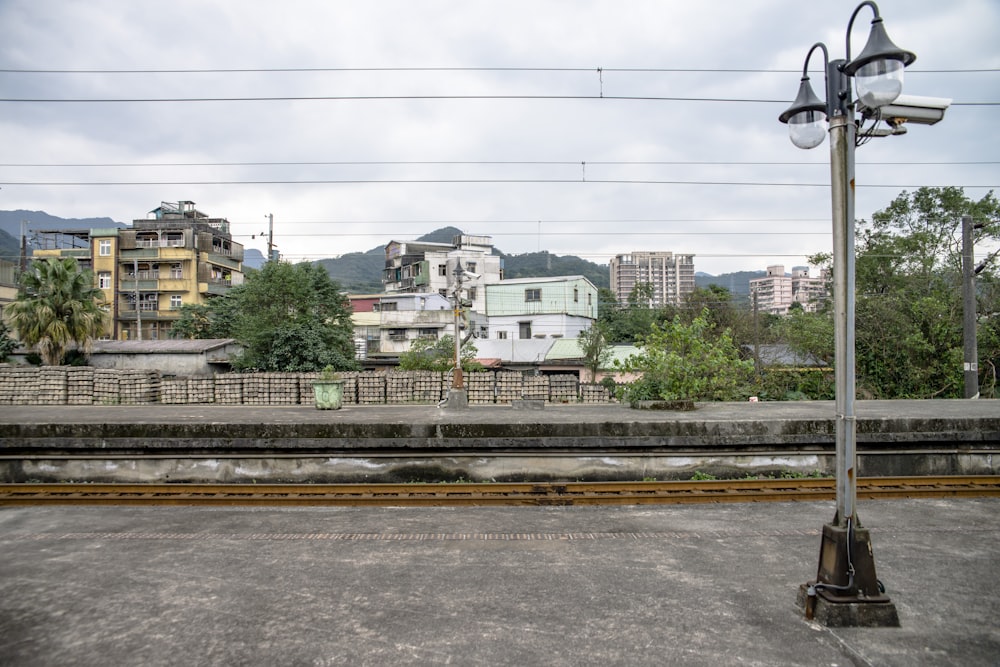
685,585
921,411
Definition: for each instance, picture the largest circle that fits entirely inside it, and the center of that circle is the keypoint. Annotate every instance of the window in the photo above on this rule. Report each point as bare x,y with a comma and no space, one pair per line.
389,306
397,334
104,248
502,335
442,269
532,294
175,301
524,330
104,280
176,273
470,267
427,334
472,293
590,300
576,295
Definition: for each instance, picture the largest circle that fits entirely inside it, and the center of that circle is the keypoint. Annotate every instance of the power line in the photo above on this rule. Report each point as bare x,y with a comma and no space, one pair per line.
264,70
468,181
566,163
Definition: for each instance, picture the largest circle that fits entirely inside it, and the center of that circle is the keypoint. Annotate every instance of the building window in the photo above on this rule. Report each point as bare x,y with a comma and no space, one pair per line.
590,300
502,335
104,248
576,295
533,294
389,306
472,293
175,302
442,269
176,273
397,334
470,267
524,330
427,334
104,280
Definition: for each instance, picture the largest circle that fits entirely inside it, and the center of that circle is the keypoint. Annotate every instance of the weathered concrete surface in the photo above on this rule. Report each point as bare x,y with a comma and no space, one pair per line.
703,585
426,443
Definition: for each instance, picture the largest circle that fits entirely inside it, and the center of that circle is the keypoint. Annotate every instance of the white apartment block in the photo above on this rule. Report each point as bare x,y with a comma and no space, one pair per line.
670,275
421,267
776,292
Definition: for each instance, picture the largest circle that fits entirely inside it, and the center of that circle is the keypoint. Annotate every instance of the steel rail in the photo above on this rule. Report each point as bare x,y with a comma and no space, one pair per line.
489,493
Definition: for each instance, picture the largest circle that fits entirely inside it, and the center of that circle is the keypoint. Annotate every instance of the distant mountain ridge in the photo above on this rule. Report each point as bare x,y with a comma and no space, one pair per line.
361,272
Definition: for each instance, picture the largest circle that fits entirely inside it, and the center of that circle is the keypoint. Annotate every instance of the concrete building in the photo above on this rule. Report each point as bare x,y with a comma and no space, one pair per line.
671,276
776,292
147,272
405,318
422,267
525,308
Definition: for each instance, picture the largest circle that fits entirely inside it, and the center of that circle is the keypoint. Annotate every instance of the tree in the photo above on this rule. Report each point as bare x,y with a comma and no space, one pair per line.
290,318
595,348
438,354
908,322
58,305
7,344
688,361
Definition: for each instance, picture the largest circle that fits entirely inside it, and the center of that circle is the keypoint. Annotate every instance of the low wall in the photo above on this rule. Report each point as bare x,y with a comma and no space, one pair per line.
84,385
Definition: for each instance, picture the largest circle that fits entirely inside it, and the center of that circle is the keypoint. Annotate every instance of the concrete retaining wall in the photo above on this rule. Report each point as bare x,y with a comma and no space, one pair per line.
83,385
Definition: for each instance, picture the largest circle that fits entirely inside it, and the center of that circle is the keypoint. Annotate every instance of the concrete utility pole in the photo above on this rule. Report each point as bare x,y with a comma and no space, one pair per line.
969,344
458,397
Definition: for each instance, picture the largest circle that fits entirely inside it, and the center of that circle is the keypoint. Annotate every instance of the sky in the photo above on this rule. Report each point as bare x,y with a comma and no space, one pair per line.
581,127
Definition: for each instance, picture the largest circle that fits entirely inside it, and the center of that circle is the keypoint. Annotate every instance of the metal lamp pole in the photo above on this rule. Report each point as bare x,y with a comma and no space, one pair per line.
846,590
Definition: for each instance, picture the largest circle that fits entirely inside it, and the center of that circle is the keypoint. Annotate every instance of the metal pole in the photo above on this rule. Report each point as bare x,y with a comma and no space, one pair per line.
842,144
970,345
270,236
138,306
457,380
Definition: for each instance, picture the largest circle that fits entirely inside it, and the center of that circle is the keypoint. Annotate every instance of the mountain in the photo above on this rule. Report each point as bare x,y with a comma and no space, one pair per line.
361,272
10,222
738,282
10,247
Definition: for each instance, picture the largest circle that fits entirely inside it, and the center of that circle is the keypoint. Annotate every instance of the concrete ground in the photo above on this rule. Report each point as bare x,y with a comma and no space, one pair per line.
651,585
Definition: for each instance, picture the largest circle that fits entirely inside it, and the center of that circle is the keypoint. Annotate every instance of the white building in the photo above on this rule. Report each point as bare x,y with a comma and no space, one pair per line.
526,308
421,267
670,276
404,318
776,292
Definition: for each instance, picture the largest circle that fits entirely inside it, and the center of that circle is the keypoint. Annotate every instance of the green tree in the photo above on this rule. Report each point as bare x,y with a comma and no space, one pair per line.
908,321
7,344
291,318
595,348
58,305
437,355
688,361
215,319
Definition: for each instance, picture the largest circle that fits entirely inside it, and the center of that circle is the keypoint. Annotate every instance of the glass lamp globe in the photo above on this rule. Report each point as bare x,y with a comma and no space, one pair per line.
807,129
879,82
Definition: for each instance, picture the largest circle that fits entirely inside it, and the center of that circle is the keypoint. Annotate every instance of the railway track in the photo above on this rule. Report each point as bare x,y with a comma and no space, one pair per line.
528,493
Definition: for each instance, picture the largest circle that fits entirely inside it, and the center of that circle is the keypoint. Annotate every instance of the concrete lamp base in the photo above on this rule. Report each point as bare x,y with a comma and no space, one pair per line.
458,399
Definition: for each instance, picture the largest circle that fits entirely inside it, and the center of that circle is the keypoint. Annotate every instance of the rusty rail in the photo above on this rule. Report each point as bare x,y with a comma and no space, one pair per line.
488,493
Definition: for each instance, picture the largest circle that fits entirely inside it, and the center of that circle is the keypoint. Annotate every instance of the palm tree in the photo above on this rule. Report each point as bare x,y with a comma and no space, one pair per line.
58,305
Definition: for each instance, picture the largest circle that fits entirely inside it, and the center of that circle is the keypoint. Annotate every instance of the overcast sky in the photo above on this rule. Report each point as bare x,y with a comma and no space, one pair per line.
715,176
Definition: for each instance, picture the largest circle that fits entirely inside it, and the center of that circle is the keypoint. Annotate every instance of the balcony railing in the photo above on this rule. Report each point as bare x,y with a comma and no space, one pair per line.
159,243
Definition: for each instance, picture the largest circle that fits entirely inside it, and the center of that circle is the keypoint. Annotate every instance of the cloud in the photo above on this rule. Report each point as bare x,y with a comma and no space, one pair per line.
378,49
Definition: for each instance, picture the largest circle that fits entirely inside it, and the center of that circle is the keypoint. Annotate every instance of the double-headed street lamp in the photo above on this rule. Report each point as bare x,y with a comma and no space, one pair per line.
846,590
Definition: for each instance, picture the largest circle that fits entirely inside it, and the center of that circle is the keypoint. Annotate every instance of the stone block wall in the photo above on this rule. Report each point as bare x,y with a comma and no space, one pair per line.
73,385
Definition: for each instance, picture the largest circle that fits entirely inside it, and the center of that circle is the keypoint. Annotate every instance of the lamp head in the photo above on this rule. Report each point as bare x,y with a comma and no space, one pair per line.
806,117
878,69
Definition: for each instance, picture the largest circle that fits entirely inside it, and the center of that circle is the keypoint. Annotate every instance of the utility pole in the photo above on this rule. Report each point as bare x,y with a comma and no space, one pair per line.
270,236
969,343
24,246
458,397
138,304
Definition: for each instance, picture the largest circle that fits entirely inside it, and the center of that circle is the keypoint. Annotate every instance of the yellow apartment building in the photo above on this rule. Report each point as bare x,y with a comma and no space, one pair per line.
176,256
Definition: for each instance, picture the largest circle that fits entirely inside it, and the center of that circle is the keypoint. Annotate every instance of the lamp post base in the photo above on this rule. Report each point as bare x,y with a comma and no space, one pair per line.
458,399
847,591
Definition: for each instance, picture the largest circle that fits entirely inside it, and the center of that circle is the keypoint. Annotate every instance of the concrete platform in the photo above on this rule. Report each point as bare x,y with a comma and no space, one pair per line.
671,585
393,443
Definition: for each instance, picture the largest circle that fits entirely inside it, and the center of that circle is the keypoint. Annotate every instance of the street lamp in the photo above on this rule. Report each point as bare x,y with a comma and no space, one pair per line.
846,590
